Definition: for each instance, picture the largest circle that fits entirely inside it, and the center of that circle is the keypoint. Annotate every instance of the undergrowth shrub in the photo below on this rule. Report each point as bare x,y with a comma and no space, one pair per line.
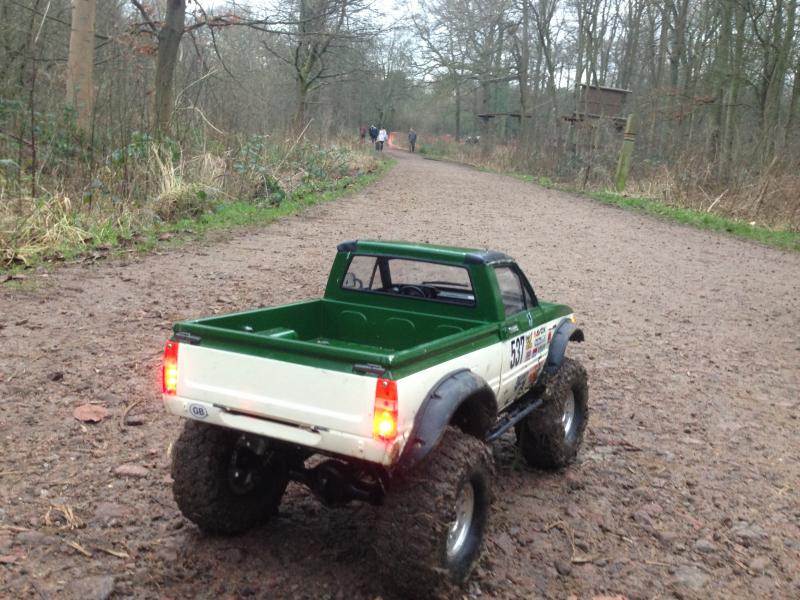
147,182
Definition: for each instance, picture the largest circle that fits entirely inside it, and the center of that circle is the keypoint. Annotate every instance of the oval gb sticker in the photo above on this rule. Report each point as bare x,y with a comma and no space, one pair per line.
198,411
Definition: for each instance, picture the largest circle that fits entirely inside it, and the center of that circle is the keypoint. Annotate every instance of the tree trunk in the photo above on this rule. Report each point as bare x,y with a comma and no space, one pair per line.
731,110
302,106
525,50
169,41
722,75
782,36
794,103
458,110
80,63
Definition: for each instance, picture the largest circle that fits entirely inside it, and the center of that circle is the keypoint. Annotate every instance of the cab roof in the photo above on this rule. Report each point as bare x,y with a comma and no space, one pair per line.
432,252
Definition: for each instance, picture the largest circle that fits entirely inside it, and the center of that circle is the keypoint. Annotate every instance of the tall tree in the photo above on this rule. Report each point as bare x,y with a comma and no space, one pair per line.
312,42
445,45
168,34
80,64
169,42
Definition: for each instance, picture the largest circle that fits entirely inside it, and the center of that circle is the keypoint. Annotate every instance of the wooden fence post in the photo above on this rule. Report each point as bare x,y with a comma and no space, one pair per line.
624,164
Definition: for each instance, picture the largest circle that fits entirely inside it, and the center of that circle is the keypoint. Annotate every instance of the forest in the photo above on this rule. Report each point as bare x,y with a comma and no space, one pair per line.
117,116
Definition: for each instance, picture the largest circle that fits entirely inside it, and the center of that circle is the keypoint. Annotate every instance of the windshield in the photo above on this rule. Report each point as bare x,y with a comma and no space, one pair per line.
410,278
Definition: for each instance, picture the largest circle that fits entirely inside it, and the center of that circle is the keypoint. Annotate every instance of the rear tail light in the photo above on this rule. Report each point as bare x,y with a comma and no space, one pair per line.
170,369
384,423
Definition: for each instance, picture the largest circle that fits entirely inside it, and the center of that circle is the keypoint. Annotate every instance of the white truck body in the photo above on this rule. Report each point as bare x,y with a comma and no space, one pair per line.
332,411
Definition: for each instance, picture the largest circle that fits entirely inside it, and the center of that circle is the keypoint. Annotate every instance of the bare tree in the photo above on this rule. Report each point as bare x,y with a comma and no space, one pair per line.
445,48
313,43
80,64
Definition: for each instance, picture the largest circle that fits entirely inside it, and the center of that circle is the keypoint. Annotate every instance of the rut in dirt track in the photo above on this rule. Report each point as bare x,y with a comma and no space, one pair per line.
687,485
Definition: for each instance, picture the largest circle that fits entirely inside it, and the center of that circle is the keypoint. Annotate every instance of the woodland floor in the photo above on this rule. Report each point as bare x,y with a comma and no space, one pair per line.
688,485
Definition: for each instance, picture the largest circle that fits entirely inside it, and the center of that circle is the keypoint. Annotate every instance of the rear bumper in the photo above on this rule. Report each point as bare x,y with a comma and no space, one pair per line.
320,439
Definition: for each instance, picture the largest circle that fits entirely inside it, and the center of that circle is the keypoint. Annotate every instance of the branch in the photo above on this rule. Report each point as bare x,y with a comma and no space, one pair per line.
192,84
147,19
51,18
276,55
216,49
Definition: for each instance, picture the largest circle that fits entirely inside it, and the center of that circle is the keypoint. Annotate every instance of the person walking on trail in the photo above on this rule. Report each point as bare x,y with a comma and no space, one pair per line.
412,139
362,134
382,137
373,134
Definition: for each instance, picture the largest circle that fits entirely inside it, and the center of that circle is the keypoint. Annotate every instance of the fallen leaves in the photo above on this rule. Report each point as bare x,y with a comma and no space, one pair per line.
575,558
78,547
61,516
90,413
124,421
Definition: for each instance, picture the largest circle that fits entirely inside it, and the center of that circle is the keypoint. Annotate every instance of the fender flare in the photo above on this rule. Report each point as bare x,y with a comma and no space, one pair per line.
438,409
565,332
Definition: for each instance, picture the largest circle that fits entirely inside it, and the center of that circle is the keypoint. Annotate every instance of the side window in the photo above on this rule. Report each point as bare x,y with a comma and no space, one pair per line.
511,290
361,273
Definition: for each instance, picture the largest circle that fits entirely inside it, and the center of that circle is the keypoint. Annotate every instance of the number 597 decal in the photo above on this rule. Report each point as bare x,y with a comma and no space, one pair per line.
517,350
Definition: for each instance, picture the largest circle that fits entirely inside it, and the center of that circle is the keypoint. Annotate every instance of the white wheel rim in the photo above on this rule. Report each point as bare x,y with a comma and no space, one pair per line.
458,531
568,416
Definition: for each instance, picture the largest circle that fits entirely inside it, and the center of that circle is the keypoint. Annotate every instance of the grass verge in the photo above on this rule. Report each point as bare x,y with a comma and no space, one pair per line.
115,237
777,238
231,215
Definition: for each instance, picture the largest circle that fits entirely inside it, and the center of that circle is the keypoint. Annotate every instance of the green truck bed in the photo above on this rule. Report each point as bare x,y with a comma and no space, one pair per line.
346,332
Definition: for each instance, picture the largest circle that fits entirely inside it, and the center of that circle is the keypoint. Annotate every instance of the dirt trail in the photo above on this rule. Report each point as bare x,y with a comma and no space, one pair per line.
687,486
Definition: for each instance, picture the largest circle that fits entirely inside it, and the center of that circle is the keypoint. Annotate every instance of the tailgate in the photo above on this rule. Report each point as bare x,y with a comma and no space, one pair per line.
286,392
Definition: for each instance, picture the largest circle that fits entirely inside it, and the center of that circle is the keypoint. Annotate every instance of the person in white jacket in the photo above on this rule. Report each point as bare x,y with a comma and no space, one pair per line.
382,137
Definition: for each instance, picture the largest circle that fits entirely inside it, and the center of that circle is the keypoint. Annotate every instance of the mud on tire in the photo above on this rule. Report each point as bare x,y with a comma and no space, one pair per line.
204,460
549,438
420,549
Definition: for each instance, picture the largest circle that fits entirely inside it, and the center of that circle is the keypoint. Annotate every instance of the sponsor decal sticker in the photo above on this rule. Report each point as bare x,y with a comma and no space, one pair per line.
517,350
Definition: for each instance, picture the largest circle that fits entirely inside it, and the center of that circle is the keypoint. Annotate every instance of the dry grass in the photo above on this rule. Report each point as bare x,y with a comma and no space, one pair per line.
42,225
185,188
769,196
160,184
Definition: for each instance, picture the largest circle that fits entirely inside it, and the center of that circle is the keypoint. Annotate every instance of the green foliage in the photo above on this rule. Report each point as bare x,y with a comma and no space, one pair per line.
139,148
435,149
540,180
185,200
321,163
254,164
56,133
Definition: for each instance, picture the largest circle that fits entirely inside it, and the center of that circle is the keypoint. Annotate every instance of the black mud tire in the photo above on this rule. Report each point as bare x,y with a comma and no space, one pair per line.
414,521
542,438
201,463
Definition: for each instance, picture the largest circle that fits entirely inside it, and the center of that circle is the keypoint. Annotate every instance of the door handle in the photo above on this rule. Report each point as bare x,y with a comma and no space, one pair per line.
513,328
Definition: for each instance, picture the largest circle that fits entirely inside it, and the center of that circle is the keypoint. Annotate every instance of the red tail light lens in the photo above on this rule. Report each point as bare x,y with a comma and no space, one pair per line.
170,369
384,423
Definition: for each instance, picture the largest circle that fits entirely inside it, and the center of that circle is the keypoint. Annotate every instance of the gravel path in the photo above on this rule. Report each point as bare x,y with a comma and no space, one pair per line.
687,486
